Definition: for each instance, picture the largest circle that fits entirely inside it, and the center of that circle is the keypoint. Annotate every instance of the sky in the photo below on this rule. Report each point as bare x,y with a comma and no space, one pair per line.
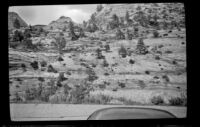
34,15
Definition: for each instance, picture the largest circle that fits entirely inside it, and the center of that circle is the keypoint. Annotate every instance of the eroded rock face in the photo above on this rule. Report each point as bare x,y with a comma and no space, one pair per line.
11,18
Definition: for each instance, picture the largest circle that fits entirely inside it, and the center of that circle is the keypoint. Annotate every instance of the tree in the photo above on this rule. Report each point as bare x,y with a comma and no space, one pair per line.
119,34
127,18
115,22
18,36
99,8
27,33
72,33
16,23
60,42
84,24
92,18
92,27
141,48
81,33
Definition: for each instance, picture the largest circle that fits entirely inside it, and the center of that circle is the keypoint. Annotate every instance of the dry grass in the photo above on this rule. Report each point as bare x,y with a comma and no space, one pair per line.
141,96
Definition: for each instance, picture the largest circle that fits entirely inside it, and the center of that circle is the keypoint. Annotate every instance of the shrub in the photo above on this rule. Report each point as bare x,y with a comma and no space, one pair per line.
60,42
122,85
157,57
141,84
147,72
127,101
178,101
166,78
160,46
43,63
41,79
168,52
115,22
66,89
119,35
114,89
60,58
182,43
34,64
18,36
105,63
131,61
99,99
122,51
61,77
174,62
155,34
106,74
157,100
102,86
51,69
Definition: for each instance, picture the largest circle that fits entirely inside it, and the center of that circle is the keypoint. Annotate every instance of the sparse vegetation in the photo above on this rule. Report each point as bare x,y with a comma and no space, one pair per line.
111,57
157,100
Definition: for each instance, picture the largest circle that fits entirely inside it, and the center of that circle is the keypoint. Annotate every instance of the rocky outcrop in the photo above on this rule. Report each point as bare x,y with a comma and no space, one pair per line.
11,18
62,23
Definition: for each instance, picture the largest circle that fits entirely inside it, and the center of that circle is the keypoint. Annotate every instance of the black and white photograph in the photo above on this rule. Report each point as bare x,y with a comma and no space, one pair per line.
97,61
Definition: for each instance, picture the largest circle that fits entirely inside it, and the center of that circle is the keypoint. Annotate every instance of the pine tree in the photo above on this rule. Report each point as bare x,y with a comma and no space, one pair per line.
115,22
72,33
141,48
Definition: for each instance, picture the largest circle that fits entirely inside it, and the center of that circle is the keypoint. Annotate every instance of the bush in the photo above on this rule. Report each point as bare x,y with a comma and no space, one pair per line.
34,64
141,84
178,101
122,85
155,34
157,57
41,79
166,78
168,52
43,63
147,72
115,22
122,51
99,99
61,77
127,101
102,86
18,36
131,61
105,63
119,35
157,100
60,58
51,69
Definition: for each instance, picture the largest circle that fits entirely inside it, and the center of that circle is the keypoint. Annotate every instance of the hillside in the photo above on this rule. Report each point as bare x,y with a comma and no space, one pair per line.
105,66
11,18
164,12
62,22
